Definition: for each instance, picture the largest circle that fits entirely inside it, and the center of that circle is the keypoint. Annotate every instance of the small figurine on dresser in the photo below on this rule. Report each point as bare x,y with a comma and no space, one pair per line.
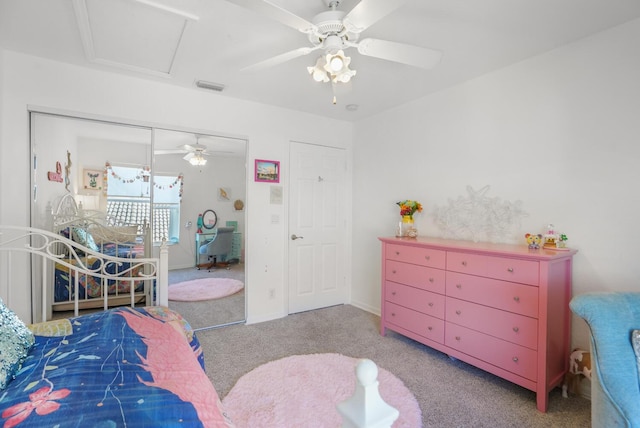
554,240
533,240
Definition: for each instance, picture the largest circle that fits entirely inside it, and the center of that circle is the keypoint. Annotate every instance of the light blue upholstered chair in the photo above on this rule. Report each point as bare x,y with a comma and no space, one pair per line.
219,247
615,384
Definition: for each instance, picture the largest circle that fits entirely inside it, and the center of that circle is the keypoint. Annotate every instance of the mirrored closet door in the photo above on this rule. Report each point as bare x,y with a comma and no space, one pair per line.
129,176
212,229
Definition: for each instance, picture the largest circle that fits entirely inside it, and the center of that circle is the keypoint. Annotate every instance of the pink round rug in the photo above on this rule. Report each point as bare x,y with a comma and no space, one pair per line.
204,289
303,391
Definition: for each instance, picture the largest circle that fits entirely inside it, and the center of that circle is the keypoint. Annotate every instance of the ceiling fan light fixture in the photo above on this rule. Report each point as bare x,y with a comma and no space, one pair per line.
332,67
198,160
336,63
317,71
345,76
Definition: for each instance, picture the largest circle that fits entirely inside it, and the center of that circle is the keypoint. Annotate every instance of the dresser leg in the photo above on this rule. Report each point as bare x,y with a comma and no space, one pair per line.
542,401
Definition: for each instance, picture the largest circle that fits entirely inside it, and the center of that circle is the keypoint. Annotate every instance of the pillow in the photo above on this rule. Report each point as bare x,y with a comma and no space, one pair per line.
15,341
635,339
61,327
83,237
115,234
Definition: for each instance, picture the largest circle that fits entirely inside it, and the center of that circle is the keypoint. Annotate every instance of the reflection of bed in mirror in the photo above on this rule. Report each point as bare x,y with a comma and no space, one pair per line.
101,236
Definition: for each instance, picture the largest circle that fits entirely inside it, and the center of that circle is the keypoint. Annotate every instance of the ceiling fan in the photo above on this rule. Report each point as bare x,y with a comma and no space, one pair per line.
195,154
334,30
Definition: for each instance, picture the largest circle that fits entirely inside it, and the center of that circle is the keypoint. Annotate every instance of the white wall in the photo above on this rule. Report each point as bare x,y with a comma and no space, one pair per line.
559,132
27,80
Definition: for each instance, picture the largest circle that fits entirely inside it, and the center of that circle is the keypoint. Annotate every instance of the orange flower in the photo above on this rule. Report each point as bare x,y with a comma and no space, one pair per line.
42,401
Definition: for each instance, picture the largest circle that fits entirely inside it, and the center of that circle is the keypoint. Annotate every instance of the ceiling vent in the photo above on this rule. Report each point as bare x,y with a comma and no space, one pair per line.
218,87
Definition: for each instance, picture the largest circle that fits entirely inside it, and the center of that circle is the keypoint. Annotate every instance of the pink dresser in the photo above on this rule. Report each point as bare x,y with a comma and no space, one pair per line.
500,307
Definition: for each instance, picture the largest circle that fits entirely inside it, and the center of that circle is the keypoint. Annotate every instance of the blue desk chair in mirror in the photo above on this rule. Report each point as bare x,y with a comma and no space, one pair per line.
217,249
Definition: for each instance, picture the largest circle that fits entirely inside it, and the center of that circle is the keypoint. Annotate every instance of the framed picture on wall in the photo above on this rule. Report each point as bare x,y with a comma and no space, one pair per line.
267,171
92,179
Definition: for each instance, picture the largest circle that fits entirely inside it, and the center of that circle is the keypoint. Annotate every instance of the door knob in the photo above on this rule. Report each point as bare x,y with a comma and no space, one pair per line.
294,237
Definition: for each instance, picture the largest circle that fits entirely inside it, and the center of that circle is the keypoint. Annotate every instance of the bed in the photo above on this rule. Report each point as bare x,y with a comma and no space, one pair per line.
96,231
120,367
124,366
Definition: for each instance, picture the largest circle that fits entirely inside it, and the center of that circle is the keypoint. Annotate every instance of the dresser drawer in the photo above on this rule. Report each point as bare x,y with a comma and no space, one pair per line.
414,298
523,271
416,255
426,326
417,276
509,296
508,356
504,325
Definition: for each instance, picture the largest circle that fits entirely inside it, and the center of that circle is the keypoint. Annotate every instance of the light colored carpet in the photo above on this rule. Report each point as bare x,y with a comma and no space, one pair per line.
204,289
303,390
216,312
450,392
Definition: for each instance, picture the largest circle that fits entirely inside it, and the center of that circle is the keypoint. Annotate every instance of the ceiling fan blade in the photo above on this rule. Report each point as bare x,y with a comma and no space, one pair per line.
399,52
368,12
215,152
188,156
169,152
276,13
193,147
279,59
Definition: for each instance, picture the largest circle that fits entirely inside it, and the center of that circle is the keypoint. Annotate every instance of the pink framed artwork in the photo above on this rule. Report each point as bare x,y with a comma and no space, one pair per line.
267,171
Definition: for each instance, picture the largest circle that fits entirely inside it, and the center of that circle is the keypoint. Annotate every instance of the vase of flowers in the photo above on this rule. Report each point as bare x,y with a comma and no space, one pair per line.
406,227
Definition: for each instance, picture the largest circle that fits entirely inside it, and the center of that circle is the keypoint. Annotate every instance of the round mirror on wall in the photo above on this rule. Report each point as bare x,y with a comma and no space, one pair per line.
209,219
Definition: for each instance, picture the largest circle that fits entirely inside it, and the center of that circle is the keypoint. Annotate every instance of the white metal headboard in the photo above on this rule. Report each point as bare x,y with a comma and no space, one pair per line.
51,247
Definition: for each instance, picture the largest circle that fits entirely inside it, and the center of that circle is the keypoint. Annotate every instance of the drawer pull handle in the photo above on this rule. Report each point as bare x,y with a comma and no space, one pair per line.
516,299
464,263
397,253
393,293
427,257
515,359
458,312
393,314
516,329
393,271
510,270
429,328
431,280
458,338
431,304
459,286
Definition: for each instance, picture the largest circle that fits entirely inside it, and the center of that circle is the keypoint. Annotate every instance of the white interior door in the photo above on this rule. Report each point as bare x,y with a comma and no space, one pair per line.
316,227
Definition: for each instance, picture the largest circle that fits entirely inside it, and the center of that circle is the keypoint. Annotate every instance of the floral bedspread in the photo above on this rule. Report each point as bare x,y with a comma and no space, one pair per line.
124,367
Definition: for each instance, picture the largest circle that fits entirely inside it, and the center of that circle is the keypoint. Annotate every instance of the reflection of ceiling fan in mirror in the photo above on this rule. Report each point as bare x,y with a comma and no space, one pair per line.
196,154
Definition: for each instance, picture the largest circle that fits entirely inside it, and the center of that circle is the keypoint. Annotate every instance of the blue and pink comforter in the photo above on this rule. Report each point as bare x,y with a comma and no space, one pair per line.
124,367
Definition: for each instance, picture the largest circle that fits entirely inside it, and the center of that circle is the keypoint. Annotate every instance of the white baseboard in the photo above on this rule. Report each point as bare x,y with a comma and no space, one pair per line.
265,317
366,307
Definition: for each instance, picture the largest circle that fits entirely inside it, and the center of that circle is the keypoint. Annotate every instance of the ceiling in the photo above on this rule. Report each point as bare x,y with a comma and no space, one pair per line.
213,40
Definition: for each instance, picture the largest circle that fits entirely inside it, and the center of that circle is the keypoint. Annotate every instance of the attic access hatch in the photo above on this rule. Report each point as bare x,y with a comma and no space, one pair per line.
137,35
